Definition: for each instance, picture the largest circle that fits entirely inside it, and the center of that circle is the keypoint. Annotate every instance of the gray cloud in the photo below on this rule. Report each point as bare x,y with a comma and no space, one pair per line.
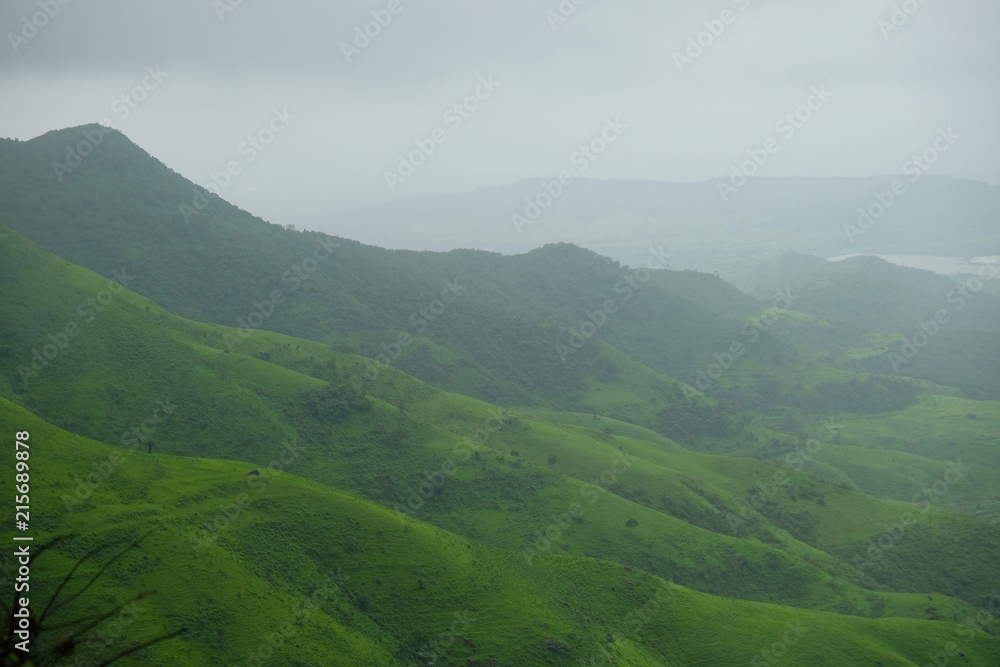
353,120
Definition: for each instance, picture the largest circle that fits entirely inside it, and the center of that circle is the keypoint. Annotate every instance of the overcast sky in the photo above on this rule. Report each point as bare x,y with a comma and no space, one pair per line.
223,73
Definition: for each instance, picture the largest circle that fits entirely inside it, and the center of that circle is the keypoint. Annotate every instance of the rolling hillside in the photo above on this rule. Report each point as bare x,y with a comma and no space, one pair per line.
528,442
510,330
177,379
302,574
882,318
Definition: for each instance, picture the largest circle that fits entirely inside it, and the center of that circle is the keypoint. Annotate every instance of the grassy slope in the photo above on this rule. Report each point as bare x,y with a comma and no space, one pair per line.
939,427
400,583
866,299
500,335
240,407
218,264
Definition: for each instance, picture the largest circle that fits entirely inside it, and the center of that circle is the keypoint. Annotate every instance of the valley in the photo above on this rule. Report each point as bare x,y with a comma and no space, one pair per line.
342,454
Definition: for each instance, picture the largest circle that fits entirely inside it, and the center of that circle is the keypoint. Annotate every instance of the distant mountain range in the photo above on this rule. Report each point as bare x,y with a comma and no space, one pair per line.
621,219
554,460
204,258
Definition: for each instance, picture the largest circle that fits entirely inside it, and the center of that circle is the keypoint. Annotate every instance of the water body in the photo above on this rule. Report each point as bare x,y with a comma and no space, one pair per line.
941,265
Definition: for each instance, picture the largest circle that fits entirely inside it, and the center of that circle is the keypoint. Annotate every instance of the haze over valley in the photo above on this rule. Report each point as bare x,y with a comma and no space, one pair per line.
401,334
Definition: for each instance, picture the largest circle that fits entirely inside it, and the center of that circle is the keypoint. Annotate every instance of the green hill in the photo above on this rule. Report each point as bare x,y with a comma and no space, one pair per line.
538,443
302,574
860,300
135,367
515,328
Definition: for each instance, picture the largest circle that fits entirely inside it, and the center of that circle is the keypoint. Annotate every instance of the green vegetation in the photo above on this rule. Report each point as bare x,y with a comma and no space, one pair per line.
405,436
868,307
299,573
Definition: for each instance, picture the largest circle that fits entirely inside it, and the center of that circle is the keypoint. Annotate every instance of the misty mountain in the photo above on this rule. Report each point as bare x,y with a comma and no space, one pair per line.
621,219
702,390
943,329
516,328
542,333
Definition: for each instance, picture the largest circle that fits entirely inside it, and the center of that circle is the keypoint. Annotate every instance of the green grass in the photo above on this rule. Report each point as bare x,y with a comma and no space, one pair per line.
512,532
400,584
243,405
939,427
876,344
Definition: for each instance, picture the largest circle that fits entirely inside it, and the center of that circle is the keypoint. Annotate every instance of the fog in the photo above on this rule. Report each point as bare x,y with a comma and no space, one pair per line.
353,104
